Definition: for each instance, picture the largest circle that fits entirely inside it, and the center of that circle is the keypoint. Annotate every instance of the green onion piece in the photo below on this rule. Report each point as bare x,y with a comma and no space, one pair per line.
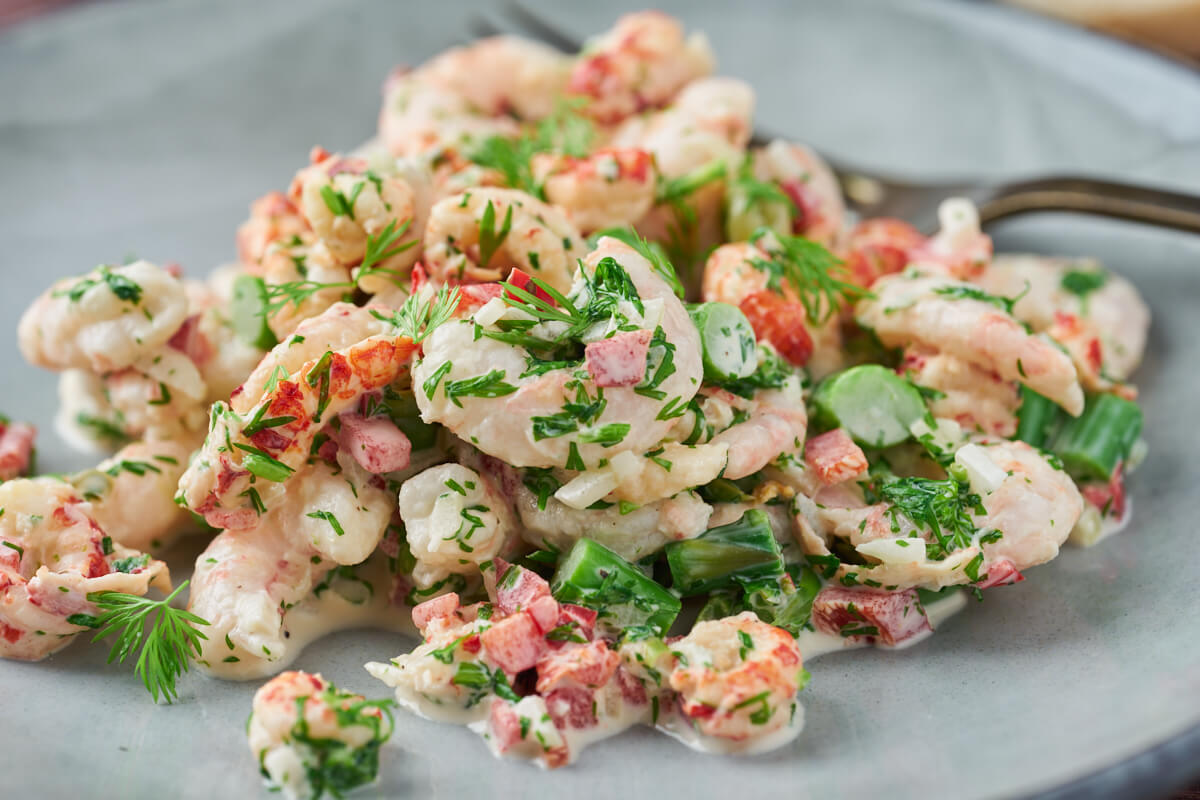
1037,418
727,343
249,312
725,557
788,609
592,575
1091,444
872,403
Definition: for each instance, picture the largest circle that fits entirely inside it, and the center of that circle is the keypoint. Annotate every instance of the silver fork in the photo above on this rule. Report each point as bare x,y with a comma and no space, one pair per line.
872,195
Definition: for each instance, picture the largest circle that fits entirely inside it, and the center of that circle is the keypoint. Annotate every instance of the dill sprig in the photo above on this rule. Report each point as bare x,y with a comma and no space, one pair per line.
564,131
418,318
164,653
380,247
809,268
490,239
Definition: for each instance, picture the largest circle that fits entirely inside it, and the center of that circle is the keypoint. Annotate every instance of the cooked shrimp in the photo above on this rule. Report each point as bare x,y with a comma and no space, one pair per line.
1032,505
288,263
950,317
219,480
500,409
1096,314
608,188
345,203
455,519
133,494
248,579
776,426
103,412
960,248
16,448
695,143
737,678
208,339
53,553
502,75
308,736
733,275
106,320
641,63
525,233
631,534
976,398
809,183
273,218
419,116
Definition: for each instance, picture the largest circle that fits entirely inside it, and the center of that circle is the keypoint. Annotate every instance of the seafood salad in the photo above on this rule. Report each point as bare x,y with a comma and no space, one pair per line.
621,418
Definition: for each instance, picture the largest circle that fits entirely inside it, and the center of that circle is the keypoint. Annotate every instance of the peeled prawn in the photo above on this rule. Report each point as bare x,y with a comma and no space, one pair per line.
503,420
948,316
642,62
247,580
53,553
106,320
539,239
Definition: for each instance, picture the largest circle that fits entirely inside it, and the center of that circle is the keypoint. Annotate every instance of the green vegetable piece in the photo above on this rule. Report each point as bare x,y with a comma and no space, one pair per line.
1092,444
592,575
726,557
789,610
249,312
1037,418
872,403
727,341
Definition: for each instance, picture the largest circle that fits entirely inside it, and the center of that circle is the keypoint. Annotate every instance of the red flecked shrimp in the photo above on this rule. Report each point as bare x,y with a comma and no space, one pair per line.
501,418
1096,314
53,553
219,480
502,75
952,318
642,62
16,448
132,494
611,187
307,735
107,320
734,274
247,580
345,203
974,397
539,239
419,116
735,679
273,218
819,210
1029,508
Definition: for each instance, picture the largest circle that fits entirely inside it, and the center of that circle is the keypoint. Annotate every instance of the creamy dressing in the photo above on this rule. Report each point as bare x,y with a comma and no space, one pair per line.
813,644
334,610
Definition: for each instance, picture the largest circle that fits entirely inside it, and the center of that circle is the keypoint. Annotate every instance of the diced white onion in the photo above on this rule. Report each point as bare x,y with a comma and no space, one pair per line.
983,474
1089,529
947,435
653,315
894,551
586,488
491,312
172,367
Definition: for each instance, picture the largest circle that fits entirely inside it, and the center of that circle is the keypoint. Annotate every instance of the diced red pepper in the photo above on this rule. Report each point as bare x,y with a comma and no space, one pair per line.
517,588
886,617
1001,572
514,643
780,322
441,606
521,280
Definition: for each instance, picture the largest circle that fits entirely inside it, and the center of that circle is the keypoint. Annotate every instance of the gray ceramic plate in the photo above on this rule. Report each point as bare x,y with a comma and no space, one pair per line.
148,129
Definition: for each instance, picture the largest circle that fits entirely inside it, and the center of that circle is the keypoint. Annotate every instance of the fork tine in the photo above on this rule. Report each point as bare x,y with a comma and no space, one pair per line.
539,28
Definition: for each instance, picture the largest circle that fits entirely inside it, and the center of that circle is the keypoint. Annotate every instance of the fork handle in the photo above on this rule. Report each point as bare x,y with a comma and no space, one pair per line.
1088,196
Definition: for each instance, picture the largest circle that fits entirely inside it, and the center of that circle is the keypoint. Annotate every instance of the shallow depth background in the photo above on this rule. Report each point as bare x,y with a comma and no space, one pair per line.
148,130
